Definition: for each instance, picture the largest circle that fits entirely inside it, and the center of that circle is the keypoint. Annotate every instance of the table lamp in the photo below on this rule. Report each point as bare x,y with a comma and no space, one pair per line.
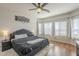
5,34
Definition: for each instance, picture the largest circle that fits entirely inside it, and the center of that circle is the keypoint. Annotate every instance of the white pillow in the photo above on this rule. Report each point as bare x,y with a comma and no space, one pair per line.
35,41
20,36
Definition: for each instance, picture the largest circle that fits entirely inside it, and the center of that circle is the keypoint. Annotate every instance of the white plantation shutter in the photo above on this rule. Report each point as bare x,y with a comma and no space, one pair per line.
75,28
48,28
56,28
61,28
40,28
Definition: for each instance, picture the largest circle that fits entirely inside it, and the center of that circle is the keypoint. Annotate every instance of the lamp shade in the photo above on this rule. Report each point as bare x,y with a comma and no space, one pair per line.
5,34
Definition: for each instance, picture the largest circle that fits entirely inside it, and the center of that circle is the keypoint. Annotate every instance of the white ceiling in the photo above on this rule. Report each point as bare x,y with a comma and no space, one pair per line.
55,8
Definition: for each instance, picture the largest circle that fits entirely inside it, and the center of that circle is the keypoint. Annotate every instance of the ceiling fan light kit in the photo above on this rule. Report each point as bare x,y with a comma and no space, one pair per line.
40,7
39,10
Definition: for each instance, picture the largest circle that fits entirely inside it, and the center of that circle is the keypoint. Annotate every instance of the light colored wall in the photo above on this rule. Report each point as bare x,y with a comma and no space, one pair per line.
52,18
7,20
61,16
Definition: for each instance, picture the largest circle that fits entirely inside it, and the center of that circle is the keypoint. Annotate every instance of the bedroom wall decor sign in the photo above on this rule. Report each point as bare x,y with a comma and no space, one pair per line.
22,19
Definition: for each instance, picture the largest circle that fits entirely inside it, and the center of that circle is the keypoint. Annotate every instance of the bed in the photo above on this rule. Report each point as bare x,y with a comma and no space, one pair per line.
28,44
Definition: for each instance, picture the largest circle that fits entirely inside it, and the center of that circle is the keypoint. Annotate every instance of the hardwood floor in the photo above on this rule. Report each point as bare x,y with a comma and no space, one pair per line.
61,49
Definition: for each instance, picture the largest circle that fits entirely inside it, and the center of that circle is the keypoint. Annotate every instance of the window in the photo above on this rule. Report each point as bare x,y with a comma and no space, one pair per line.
40,28
75,28
48,28
61,28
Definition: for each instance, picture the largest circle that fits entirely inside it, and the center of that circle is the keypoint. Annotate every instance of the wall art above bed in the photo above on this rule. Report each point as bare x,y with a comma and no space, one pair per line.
22,19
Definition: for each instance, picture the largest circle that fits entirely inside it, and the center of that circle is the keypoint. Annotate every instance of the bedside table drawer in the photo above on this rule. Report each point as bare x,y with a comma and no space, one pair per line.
6,48
0,44
6,43
0,48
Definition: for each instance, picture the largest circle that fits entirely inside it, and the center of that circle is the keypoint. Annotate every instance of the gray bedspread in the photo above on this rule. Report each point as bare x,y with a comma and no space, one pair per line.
22,47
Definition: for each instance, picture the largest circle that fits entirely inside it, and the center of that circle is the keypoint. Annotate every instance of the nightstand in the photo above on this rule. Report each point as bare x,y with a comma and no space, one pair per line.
6,44
0,45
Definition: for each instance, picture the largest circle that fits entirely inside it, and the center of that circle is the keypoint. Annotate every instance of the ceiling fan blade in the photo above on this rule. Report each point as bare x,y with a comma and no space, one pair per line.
34,4
44,4
46,10
33,9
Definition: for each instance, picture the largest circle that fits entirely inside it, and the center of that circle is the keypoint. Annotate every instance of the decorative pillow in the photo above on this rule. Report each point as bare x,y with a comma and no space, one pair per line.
30,33
35,41
20,36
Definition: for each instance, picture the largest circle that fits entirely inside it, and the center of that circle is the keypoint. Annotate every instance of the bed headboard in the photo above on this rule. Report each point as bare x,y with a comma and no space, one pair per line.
21,31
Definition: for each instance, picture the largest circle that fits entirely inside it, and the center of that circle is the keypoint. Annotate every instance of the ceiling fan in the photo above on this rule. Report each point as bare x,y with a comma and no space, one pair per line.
40,7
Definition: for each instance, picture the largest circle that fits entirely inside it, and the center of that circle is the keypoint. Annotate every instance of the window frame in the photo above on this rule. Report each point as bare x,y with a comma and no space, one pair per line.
59,21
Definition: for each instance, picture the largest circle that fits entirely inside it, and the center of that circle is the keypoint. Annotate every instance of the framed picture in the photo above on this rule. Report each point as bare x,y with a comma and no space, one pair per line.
22,19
